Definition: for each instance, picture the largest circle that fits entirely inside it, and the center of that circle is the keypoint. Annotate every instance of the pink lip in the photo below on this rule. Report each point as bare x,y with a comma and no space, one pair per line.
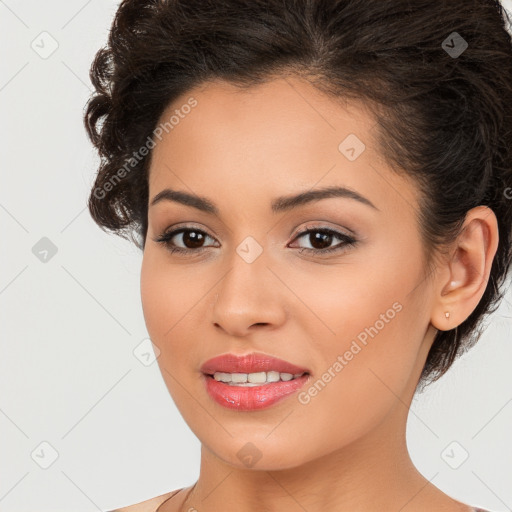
252,398
249,363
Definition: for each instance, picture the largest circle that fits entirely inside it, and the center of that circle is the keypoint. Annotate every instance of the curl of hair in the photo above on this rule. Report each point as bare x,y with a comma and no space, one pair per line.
444,121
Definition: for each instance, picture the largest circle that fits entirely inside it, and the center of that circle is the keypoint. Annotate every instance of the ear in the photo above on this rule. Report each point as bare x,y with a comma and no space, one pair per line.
463,278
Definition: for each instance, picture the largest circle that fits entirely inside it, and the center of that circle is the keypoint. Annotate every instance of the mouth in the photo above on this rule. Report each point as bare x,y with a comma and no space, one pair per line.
251,382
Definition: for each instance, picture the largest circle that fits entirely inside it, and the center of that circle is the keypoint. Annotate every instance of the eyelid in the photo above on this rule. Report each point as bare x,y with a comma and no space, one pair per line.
179,228
294,233
322,226
184,225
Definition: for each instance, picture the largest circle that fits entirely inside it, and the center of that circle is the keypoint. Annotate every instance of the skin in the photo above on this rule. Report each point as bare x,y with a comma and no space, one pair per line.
345,449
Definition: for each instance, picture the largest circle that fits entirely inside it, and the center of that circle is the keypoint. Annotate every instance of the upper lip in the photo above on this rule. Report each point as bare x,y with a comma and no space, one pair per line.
249,363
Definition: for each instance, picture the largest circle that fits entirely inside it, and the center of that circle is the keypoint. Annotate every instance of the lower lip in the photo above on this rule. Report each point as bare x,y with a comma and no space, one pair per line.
252,398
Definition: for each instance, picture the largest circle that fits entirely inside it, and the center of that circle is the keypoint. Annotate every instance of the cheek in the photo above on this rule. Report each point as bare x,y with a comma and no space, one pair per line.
164,300
172,313
155,295
367,327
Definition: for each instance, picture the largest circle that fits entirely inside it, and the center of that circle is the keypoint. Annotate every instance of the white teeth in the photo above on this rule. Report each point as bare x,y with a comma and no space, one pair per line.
259,377
273,376
253,379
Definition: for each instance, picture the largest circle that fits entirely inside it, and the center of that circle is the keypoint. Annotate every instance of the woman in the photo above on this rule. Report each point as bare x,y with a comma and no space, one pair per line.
321,190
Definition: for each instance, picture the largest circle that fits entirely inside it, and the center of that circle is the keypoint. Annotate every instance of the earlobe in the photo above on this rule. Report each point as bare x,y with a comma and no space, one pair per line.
467,269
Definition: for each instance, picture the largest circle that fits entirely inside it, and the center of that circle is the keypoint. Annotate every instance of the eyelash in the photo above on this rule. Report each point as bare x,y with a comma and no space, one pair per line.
347,241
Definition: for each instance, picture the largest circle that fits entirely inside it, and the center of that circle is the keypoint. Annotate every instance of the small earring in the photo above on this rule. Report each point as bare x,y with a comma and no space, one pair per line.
447,314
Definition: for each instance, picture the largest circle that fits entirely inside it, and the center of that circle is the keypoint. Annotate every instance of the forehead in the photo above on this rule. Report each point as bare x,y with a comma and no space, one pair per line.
276,137
280,113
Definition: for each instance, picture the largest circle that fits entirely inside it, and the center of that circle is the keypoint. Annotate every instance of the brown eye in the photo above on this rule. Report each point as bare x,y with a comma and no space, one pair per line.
184,240
192,239
321,239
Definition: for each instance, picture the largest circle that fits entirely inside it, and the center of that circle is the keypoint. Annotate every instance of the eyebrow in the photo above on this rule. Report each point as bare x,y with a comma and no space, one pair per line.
280,204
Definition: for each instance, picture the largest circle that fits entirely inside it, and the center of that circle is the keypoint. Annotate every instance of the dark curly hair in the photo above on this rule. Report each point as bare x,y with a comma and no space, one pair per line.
437,74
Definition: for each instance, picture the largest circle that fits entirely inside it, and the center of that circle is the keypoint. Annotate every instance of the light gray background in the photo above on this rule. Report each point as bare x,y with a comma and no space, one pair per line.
69,326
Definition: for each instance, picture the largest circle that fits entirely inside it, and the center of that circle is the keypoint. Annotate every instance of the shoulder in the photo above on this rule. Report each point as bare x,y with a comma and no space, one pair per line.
149,505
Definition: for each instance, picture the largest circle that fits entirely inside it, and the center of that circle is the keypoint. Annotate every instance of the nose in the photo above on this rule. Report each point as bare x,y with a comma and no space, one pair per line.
249,297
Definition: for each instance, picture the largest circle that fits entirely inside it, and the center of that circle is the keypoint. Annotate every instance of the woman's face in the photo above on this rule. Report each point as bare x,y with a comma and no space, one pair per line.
356,318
